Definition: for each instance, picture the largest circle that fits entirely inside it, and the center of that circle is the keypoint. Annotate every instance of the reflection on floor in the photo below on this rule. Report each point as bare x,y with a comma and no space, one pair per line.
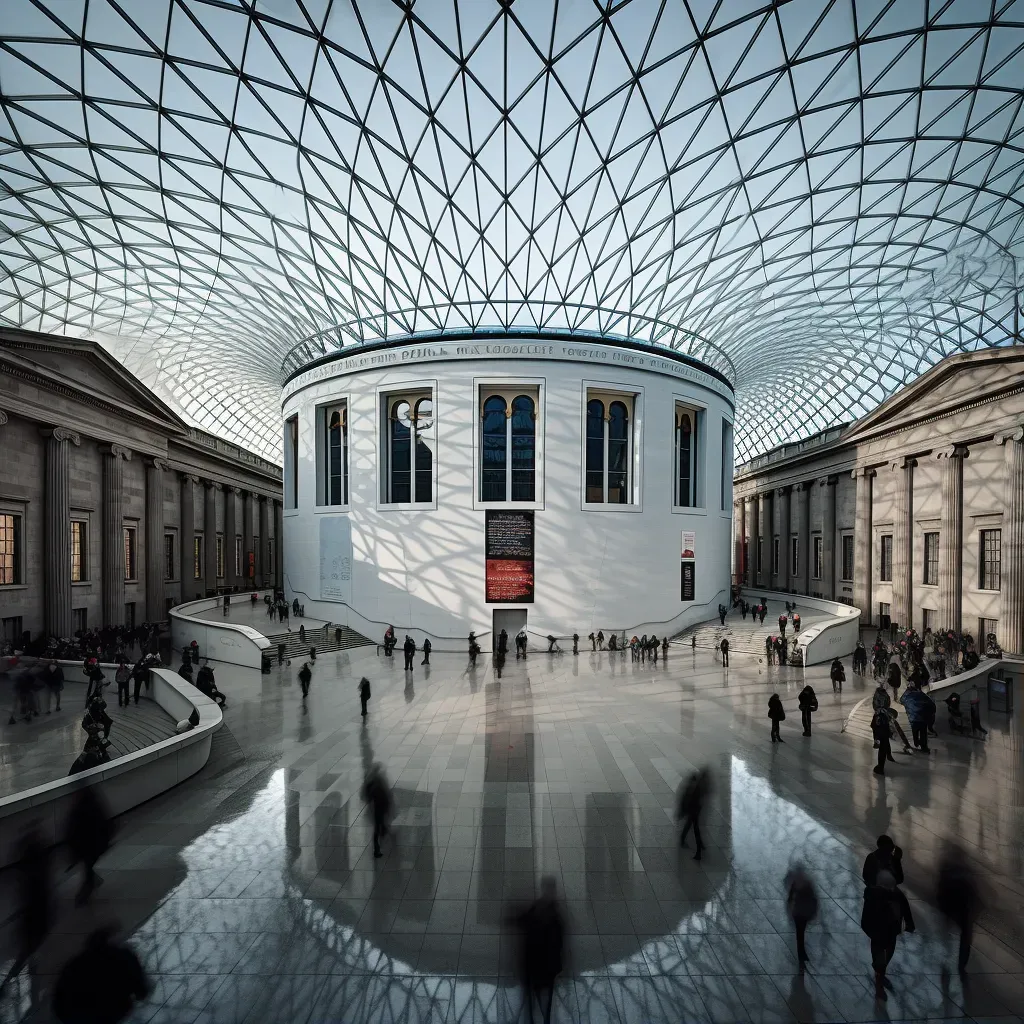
252,895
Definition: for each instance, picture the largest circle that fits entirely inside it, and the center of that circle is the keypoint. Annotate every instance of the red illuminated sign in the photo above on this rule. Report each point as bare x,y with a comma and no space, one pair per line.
508,557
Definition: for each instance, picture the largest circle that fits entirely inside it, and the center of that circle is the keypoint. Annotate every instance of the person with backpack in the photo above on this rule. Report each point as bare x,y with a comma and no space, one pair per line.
808,701
777,713
838,675
802,905
885,915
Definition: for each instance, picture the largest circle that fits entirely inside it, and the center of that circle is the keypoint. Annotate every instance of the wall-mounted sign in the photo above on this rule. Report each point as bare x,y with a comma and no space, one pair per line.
688,566
508,557
335,559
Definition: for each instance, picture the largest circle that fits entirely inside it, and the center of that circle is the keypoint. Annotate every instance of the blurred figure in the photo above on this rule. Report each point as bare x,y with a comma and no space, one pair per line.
887,856
426,651
808,702
34,913
802,904
691,799
54,677
474,648
101,984
886,912
88,834
838,675
723,647
409,650
958,896
777,714
542,938
377,793
364,694
880,733
122,677
306,676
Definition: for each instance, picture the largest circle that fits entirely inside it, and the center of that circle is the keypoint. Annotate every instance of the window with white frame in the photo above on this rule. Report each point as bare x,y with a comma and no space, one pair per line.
79,551
332,453
409,447
609,448
687,455
508,443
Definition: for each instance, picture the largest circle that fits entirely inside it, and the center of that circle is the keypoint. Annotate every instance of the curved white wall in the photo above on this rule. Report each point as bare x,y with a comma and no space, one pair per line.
423,569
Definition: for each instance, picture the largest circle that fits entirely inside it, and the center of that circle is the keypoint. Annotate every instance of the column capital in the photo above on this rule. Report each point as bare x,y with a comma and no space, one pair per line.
803,486
229,489
211,485
953,451
116,451
784,490
907,462
154,463
3,417
61,434
186,477
828,481
867,472
1017,434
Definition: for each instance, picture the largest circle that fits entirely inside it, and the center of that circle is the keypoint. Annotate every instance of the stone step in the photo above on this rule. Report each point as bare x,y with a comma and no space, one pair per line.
324,643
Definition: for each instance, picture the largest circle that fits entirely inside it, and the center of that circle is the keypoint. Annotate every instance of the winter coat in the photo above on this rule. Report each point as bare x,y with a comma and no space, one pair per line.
776,712
883,860
305,675
885,913
918,704
895,679
880,726
55,679
364,691
880,700
838,673
808,699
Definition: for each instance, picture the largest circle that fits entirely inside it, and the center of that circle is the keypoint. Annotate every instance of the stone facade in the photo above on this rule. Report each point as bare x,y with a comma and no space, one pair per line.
915,512
96,480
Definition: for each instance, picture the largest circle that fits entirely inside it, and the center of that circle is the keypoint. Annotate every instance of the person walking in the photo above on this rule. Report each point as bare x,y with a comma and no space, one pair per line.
54,678
723,646
761,612
886,856
885,914
377,795
838,675
541,949
122,677
721,613
305,678
895,678
860,659
409,650
88,834
777,713
802,905
34,913
364,694
474,649
575,643
769,649
426,651
690,803
958,897
783,622
919,708
796,621
100,985
880,735
808,701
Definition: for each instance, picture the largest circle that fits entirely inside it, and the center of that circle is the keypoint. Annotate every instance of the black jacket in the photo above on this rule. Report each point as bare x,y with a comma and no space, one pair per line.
885,913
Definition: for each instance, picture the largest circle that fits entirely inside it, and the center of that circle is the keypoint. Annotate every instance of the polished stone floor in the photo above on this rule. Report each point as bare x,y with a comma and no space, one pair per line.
251,894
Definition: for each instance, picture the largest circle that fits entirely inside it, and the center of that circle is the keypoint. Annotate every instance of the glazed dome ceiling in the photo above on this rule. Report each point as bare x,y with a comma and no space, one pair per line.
820,198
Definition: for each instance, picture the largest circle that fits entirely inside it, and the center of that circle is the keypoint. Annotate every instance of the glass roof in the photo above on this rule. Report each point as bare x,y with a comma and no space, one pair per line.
822,198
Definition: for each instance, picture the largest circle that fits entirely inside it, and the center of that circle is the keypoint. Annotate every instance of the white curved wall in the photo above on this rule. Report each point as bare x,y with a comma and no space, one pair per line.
614,568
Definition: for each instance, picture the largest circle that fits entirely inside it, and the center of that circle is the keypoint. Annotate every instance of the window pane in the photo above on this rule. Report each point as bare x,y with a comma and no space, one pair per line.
991,559
10,554
684,438
931,559
401,452
618,454
168,556
524,440
129,553
337,458
595,451
424,450
77,551
494,447
886,559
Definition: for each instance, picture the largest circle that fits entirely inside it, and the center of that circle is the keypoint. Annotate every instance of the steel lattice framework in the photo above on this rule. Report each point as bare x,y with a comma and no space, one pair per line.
822,197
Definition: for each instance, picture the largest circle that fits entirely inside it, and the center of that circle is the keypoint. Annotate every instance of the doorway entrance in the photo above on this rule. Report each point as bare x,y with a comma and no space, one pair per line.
510,619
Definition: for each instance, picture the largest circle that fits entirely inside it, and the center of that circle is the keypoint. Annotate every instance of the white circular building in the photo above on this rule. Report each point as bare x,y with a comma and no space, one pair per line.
451,484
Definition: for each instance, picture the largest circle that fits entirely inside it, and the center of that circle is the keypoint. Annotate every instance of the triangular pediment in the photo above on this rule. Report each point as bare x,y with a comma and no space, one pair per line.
956,381
85,366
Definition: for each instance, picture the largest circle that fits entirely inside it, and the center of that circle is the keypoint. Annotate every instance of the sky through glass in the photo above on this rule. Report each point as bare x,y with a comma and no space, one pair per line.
820,198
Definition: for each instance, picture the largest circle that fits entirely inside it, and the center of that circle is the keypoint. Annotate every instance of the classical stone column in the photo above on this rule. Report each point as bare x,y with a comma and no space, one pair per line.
1011,578
801,578
210,534
57,534
266,571
186,534
230,532
278,544
902,539
782,496
828,536
155,540
752,538
951,537
863,542
247,532
767,536
739,526
114,456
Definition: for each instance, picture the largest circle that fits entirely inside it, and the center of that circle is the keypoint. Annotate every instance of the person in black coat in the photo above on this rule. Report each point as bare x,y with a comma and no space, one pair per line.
541,949
377,794
838,675
88,834
958,897
35,902
802,904
306,677
777,714
886,856
880,726
895,678
723,647
885,914
503,642
474,648
364,693
808,701
690,803
575,643
426,652
101,984
409,650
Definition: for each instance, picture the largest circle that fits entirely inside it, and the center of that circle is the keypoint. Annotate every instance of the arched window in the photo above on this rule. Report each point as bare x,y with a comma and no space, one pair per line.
524,448
409,475
508,444
336,456
609,448
595,451
686,449
494,448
